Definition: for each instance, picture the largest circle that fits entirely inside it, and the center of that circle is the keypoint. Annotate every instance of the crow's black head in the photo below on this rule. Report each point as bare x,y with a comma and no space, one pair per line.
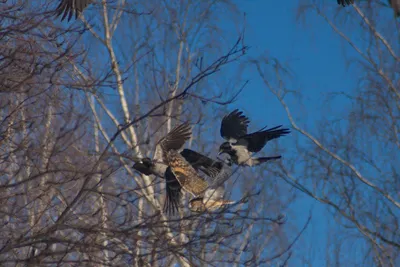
147,162
225,148
143,166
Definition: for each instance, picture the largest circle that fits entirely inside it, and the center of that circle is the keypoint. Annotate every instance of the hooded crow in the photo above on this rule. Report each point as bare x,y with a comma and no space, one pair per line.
240,146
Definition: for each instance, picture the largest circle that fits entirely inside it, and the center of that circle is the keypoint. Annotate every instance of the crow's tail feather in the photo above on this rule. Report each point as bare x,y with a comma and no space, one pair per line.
258,161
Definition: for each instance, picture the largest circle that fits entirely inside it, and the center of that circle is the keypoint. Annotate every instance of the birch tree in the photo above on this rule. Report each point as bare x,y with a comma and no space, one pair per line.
82,100
350,160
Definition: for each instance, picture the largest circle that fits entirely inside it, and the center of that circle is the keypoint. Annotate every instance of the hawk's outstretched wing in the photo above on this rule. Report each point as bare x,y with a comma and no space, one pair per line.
186,174
71,7
174,140
234,125
173,190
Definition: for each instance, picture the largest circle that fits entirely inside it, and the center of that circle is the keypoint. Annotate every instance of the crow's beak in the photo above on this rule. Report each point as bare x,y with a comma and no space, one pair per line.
137,162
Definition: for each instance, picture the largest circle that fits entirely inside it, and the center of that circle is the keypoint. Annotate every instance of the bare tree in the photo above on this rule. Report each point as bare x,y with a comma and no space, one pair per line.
350,163
81,101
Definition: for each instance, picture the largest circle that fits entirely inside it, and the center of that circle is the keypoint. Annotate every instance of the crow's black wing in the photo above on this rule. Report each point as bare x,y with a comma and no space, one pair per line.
71,7
345,2
234,125
257,140
203,163
173,192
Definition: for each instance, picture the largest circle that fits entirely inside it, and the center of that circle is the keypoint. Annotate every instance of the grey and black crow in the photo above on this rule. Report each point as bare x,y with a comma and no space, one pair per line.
69,8
240,145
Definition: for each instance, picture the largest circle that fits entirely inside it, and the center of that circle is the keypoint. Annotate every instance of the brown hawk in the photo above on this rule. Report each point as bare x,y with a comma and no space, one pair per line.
182,173
180,169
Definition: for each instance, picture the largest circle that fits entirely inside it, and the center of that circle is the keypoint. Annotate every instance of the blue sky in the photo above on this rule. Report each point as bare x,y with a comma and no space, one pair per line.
315,55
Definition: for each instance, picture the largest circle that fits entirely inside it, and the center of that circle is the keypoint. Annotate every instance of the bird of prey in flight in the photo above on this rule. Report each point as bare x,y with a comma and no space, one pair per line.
240,145
187,176
216,170
180,169
210,195
69,8
211,199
